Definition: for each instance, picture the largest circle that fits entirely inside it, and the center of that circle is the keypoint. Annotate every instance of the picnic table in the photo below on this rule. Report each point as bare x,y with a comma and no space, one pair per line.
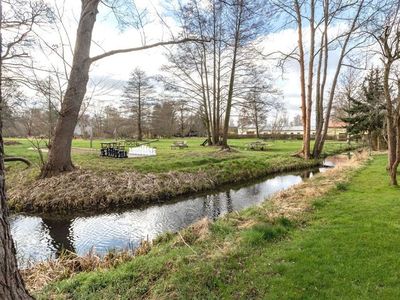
113,149
257,146
179,144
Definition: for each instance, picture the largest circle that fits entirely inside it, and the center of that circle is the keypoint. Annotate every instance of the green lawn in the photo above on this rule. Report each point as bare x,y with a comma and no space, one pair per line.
347,248
166,160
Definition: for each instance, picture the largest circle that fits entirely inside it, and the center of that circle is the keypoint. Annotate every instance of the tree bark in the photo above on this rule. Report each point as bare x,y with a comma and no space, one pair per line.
390,126
302,74
60,154
139,124
319,144
232,77
307,137
12,286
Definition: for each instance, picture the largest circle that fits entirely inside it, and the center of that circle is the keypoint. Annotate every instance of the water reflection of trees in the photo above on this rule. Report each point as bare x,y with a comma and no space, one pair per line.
59,231
216,205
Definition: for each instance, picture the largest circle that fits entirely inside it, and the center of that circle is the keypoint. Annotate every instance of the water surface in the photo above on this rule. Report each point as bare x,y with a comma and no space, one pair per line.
39,238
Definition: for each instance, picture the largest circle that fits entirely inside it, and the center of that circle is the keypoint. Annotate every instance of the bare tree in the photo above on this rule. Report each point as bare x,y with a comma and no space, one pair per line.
386,32
137,96
59,159
260,98
313,57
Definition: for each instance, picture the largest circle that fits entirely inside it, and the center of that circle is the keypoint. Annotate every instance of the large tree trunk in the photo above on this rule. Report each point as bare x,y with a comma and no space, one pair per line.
60,153
11,284
391,128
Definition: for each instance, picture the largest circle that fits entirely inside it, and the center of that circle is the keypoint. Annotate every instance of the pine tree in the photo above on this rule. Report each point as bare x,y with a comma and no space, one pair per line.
366,113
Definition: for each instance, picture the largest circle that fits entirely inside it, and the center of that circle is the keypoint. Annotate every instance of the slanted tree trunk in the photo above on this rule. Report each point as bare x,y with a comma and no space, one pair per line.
321,135
59,159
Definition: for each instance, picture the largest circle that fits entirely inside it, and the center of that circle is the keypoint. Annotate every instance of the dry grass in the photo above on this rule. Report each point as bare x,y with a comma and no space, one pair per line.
298,199
86,190
69,264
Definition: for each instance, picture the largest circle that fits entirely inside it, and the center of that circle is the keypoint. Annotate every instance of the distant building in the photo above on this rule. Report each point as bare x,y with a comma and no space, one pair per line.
233,130
288,130
337,129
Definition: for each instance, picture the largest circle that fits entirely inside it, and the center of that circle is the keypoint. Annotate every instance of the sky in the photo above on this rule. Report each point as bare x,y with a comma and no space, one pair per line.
112,72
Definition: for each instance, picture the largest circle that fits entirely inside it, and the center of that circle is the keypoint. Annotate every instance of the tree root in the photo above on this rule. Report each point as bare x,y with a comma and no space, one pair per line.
21,159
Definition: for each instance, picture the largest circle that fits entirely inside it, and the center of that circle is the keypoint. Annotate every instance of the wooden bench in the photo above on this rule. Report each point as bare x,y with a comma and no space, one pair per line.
179,144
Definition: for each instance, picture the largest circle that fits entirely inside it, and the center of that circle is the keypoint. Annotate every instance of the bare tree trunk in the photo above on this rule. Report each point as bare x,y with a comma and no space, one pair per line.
60,155
12,286
307,138
218,109
324,53
390,125
139,124
214,108
302,74
319,144
256,123
232,77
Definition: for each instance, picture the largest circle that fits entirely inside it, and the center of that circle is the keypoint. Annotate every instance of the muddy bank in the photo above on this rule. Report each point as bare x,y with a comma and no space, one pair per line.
85,190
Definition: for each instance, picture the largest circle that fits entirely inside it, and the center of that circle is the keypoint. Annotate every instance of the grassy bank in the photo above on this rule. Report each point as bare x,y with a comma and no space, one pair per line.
103,183
335,236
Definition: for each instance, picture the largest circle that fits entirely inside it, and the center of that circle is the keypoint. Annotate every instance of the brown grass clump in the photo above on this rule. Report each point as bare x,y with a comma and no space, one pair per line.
69,264
196,232
87,190
201,228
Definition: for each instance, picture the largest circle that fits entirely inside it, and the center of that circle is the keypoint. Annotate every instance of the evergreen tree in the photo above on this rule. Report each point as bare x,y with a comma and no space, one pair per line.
366,113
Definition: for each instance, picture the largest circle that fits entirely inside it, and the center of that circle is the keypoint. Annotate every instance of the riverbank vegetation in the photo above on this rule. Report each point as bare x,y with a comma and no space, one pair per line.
100,183
333,236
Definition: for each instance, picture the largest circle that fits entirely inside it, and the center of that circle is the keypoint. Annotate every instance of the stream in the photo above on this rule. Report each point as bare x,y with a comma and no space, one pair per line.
39,238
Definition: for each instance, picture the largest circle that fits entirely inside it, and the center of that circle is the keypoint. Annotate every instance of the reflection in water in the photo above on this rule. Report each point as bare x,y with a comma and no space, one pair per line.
40,238
59,233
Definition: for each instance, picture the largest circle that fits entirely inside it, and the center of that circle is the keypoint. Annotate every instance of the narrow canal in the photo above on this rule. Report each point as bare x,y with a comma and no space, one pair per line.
39,238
